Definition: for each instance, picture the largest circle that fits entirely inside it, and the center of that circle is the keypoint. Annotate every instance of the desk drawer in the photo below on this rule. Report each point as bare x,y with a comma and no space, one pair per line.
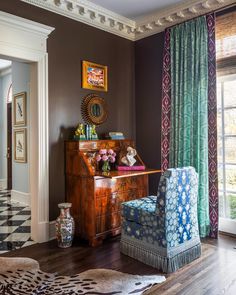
108,204
120,185
107,222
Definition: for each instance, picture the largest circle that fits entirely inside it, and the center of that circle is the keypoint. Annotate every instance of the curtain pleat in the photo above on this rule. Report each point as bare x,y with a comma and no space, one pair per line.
188,81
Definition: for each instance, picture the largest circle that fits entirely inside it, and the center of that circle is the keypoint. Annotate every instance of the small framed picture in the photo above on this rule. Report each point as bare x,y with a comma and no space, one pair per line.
20,145
94,76
19,109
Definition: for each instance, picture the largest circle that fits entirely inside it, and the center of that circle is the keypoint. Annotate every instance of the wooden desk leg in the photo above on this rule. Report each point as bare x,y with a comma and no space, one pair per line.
95,242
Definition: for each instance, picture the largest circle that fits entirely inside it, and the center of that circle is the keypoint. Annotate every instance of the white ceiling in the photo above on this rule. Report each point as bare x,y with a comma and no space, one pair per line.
4,64
135,8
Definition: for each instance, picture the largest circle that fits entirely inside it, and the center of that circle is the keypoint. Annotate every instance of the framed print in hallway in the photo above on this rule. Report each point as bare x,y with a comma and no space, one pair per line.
20,145
19,110
94,76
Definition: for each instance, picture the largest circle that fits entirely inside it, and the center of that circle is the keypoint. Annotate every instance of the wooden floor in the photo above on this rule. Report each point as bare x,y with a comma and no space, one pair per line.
214,273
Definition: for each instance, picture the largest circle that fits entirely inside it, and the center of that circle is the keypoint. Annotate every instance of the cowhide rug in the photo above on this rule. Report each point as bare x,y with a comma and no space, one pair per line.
21,276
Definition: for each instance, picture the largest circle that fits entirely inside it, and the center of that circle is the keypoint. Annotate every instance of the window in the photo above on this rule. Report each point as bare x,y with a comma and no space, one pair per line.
226,35
226,119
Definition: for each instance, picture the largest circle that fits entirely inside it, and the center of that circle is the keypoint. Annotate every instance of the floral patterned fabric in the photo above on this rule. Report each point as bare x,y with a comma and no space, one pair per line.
141,210
181,204
166,225
144,233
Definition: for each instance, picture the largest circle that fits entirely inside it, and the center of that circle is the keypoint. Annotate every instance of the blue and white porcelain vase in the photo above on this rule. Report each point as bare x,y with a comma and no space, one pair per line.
65,226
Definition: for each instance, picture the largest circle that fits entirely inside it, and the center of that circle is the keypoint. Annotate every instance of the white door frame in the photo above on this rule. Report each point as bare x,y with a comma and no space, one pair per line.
25,40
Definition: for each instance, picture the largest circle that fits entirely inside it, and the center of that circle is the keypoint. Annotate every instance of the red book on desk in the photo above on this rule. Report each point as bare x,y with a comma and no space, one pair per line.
130,168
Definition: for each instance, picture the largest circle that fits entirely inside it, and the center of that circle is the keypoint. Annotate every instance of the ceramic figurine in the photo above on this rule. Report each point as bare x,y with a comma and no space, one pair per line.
94,133
79,132
65,226
129,159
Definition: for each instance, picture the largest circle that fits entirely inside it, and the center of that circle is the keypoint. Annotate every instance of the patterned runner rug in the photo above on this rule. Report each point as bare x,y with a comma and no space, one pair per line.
20,276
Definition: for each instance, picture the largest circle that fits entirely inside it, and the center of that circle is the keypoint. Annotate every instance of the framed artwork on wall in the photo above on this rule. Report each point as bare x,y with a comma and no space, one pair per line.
94,76
20,145
19,110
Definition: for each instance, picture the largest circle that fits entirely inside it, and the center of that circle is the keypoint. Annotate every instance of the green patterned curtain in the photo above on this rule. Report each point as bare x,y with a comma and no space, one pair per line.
189,106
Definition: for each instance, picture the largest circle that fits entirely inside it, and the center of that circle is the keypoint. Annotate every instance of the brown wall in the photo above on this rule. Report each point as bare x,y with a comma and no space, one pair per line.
148,91
68,45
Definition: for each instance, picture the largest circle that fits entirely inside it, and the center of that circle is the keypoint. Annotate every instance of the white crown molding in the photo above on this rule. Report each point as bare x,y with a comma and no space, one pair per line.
104,19
99,17
27,26
175,14
90,14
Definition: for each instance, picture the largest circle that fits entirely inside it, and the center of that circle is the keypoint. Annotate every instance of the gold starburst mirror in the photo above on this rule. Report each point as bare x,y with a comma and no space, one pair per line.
94,109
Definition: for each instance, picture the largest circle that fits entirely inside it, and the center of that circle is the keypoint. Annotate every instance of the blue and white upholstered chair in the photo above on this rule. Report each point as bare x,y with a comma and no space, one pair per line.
162,230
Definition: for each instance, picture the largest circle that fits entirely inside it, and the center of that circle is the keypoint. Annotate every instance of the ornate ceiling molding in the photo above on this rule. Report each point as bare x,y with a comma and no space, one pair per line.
104,19
90,14
175,14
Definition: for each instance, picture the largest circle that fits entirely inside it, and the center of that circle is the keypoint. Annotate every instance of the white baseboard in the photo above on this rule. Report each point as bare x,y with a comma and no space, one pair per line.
40,231
3,184
227,225
43,231
52,230
20,197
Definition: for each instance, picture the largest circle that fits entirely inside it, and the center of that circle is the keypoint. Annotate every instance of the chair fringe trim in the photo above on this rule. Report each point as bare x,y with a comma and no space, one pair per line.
165,264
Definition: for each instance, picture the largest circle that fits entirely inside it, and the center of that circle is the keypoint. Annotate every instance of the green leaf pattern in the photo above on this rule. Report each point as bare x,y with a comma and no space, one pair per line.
189,107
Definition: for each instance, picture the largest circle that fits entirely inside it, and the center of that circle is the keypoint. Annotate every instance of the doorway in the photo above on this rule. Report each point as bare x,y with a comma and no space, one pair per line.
26,41
15,209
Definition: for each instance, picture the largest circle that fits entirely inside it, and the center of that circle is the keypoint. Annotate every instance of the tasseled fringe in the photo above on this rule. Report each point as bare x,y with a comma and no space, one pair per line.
165,264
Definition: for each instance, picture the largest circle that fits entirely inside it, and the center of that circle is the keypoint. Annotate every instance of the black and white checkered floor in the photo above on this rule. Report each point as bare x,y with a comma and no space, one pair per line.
14,224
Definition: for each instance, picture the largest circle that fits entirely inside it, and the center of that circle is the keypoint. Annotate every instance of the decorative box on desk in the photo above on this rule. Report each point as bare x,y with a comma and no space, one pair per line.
96,198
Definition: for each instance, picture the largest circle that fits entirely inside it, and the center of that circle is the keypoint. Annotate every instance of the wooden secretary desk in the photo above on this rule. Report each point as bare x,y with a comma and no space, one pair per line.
96,198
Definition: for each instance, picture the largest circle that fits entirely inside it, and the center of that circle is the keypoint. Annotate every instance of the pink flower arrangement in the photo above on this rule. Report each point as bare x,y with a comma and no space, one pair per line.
106,155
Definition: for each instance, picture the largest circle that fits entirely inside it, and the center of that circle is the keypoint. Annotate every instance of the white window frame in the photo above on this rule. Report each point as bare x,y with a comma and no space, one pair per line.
225,224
